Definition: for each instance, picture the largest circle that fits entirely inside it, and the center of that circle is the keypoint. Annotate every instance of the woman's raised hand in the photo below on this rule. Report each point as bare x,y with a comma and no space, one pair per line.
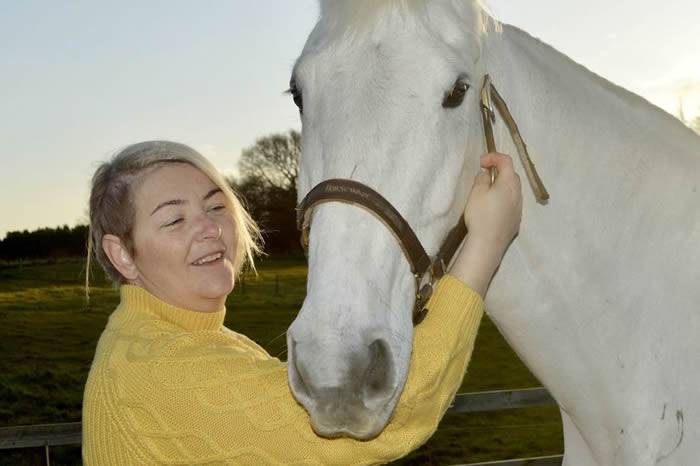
492,216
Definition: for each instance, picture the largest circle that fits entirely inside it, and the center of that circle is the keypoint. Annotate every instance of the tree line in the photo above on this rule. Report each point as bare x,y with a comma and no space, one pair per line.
266,186
44,243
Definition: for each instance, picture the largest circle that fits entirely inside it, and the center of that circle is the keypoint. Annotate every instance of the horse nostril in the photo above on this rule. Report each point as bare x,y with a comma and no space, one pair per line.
379,375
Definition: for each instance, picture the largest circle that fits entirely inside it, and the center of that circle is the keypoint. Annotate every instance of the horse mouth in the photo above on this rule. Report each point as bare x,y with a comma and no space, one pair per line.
363,425
335,416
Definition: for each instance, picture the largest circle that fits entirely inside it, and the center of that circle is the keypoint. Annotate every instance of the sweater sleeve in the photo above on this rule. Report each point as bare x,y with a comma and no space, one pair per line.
195,399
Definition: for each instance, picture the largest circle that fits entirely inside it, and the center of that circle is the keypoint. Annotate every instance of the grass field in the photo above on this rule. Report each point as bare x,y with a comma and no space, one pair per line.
48,337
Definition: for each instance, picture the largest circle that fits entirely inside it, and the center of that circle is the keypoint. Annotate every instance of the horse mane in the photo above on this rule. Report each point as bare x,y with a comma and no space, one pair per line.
354,14
361,11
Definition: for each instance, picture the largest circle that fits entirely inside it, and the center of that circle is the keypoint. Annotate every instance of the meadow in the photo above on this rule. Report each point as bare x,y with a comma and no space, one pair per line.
48,334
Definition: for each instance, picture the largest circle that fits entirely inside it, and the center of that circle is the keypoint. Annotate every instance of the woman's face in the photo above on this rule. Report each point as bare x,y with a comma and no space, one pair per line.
184,238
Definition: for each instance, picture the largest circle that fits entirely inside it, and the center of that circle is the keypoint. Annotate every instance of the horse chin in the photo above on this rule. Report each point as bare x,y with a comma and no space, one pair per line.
356,422
333,433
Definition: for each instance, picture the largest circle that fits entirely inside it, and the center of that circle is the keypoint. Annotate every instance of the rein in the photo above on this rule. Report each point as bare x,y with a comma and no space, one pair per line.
426,270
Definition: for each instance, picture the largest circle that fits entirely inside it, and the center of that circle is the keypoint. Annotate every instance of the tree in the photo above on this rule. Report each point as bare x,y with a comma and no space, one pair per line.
267,186
273,159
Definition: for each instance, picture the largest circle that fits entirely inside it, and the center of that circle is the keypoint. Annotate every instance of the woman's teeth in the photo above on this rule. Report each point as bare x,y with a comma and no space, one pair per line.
206,260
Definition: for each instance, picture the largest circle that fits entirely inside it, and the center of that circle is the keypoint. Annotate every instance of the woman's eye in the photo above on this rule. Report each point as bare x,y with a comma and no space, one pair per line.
217,207
174,222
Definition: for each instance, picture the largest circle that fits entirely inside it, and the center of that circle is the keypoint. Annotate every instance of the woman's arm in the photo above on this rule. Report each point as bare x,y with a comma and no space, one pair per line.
212,397
216,397
492,216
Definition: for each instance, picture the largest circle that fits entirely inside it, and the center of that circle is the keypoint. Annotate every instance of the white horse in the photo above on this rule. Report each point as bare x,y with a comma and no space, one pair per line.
599,294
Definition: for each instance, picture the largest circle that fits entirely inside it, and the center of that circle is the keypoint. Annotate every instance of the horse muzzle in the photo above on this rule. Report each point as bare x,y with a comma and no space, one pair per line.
354,399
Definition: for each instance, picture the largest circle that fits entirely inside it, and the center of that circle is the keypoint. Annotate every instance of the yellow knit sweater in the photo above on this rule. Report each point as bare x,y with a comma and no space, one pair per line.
173,386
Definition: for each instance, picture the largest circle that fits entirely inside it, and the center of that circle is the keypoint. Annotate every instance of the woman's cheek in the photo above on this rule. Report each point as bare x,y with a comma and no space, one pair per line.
162,250
228,225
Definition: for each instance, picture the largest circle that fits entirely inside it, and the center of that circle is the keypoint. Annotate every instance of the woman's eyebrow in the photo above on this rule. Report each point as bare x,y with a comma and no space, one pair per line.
212,192
170,202
182,201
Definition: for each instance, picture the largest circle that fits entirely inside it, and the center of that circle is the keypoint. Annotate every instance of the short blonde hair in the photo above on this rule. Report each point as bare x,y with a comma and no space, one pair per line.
112,210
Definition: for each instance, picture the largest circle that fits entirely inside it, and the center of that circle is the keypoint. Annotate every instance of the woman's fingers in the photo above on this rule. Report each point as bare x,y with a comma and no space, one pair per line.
503,164
500,162
483,178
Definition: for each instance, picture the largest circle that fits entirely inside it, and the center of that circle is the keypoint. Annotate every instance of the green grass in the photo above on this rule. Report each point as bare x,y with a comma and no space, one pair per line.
48,336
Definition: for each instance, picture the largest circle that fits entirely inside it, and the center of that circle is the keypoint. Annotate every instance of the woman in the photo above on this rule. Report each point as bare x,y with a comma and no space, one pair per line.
170,384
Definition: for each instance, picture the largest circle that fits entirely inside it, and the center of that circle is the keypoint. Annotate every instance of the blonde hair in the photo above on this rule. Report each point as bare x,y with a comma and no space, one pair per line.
112,210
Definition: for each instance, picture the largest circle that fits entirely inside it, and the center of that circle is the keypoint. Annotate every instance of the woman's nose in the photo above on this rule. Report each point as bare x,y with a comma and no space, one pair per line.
209,228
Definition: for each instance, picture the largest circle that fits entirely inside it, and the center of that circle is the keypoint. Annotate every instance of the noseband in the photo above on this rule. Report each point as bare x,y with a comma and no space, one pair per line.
426,270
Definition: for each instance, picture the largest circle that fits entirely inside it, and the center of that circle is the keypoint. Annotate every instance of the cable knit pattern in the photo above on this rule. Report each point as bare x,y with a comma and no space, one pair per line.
174,386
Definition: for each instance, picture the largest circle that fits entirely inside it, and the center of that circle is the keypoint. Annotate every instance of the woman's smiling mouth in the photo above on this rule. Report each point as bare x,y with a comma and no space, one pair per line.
210,259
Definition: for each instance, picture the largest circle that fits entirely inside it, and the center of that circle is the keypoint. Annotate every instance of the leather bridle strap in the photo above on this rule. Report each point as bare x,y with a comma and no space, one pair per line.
490,96
353,192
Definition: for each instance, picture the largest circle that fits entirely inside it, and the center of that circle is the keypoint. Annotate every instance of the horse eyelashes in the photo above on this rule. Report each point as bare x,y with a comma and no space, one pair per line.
296,95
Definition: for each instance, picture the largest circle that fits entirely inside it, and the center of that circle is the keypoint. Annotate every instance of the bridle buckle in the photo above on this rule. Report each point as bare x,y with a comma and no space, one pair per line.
423,294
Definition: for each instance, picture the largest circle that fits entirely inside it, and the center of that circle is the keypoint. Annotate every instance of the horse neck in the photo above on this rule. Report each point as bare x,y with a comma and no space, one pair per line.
547,90
595,146
593,143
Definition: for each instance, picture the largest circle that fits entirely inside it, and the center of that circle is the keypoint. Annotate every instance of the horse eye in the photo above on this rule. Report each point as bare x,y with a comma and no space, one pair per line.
296,95
455,97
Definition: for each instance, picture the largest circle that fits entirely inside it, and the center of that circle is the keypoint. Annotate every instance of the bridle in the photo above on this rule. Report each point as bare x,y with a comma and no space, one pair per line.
426,270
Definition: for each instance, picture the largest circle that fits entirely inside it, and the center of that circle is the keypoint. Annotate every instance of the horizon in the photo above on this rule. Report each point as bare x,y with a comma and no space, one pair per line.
80,81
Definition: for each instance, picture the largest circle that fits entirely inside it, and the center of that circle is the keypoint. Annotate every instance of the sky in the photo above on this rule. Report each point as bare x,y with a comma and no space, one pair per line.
80,80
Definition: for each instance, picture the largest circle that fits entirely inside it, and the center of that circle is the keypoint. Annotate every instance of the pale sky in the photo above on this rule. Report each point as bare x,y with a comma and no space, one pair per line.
81,79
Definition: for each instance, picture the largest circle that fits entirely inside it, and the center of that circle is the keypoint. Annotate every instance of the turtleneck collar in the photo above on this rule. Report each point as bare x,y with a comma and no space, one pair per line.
135,299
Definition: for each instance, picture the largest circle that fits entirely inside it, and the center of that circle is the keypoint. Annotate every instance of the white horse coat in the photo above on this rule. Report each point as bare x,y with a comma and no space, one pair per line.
599,294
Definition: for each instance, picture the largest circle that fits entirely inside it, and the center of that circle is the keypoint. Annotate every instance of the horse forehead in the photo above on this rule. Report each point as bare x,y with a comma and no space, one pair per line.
362,76
450,19
447,27
402,57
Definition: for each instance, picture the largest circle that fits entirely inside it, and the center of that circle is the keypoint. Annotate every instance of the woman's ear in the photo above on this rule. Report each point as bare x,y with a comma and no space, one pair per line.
119,256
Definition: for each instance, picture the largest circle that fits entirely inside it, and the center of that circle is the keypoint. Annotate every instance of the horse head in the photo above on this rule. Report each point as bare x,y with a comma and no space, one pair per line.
388,93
